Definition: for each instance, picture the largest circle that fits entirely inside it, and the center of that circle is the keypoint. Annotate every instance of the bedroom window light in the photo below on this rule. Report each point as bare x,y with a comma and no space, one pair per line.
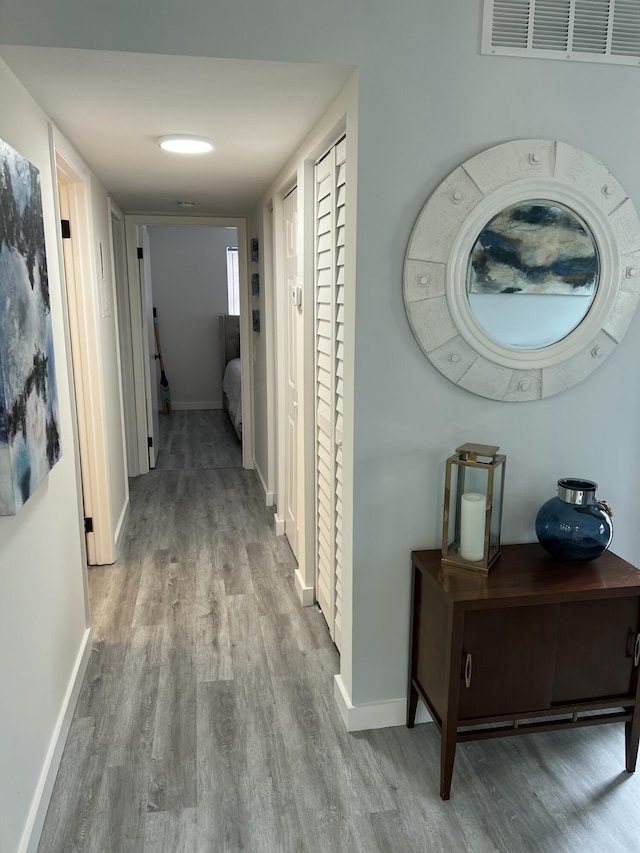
233,280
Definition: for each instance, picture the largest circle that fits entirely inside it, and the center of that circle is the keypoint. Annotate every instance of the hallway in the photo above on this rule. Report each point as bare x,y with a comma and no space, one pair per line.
202,663
206,721
197,438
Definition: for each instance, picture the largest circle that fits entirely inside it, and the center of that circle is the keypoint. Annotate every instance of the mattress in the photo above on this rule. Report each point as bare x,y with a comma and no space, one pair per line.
232,389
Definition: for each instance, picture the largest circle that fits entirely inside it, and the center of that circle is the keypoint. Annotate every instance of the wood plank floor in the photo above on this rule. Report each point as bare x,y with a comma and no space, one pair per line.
202,438
206,722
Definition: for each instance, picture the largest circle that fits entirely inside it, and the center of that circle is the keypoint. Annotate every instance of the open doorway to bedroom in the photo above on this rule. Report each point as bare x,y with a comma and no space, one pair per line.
197,310
198,368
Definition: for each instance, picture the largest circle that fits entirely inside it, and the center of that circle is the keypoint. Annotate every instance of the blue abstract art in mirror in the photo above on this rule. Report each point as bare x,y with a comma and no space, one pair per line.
536,246
29,422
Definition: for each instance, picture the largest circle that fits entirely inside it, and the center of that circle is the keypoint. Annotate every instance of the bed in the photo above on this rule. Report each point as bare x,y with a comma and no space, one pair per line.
231,379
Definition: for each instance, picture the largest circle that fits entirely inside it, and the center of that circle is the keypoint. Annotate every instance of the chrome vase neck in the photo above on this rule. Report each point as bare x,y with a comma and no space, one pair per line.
574,491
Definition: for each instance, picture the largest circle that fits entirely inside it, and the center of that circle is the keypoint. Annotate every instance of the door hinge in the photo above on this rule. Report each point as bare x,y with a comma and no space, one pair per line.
149,441
140,253
66,229
88,525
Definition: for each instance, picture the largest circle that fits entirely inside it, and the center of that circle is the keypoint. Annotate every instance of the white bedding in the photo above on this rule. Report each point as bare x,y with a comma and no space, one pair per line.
231,388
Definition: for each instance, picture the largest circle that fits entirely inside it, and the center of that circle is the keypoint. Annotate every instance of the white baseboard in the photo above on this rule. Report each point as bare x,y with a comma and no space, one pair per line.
40,803
279,524
306,594
268,496
122,526
374,715
198,404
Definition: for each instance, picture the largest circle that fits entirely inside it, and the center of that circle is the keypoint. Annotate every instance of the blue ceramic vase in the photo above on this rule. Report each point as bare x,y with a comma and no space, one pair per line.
575,525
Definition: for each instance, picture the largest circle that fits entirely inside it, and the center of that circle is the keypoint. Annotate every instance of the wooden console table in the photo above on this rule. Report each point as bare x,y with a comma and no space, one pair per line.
534,645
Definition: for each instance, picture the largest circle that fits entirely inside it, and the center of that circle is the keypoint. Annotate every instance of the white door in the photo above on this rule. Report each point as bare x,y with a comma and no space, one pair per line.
83,317
294,341
152,378
329,377
80,369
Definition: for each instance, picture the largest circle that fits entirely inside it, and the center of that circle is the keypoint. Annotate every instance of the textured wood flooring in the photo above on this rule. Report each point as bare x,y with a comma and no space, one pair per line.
206,721
202,438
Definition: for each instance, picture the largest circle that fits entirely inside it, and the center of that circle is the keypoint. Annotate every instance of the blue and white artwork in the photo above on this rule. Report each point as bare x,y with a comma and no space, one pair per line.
536,246
29,422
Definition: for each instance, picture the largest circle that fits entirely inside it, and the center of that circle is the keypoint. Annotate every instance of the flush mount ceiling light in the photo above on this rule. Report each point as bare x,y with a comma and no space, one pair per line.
180,143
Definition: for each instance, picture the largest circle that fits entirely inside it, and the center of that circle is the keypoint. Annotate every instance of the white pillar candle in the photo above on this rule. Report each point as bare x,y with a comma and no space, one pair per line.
472,518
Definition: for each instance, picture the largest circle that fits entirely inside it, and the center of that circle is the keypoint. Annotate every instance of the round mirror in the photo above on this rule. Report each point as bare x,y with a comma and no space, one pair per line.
532,274
522,272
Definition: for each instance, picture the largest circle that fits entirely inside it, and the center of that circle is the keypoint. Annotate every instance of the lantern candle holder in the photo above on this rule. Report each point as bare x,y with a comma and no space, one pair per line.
473,495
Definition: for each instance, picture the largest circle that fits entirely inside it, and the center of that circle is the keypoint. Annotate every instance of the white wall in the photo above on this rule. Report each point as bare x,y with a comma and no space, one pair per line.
428,101
42,606
189,275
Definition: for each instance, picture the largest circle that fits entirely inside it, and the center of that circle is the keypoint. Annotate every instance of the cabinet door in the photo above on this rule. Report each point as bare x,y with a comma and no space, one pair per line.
595,649
512,660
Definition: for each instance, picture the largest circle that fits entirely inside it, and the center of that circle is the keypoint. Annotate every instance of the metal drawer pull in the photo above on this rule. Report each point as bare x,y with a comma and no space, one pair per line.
468,665
636,654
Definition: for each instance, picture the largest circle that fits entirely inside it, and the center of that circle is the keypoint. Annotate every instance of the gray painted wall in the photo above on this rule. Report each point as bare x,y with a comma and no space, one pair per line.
428,101
42,608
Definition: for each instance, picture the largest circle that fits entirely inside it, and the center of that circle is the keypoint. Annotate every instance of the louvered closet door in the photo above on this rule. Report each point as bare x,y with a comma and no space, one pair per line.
329,346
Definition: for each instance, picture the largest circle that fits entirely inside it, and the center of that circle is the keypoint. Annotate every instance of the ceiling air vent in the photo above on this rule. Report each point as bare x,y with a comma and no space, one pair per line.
585,30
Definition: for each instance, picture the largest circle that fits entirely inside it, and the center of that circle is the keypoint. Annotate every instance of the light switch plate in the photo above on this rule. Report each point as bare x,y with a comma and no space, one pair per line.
296,296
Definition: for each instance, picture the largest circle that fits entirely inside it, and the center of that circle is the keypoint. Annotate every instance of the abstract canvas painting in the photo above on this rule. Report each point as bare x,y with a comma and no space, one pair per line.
29,422
537,246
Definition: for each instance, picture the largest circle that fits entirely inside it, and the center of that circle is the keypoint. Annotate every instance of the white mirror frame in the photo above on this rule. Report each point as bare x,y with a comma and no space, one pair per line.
436,263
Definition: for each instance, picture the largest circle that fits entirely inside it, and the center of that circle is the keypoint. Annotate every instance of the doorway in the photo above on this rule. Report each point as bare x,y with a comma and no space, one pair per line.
196,300
183,317
314,298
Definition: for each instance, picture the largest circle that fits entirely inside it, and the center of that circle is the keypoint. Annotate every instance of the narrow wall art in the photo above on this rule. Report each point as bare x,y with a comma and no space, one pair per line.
29,422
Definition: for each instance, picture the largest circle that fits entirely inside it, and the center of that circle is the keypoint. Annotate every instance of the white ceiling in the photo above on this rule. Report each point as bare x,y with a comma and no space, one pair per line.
113,107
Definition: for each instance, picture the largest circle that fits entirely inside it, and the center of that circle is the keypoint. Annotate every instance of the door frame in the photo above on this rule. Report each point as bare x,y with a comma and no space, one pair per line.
293,334
80,277
303,176
270,311
139,330
118,249
340,118
151,368
280,354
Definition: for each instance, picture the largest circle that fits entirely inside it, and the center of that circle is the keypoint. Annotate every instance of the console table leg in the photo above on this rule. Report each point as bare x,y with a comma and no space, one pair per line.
412,706
447,756
631,739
